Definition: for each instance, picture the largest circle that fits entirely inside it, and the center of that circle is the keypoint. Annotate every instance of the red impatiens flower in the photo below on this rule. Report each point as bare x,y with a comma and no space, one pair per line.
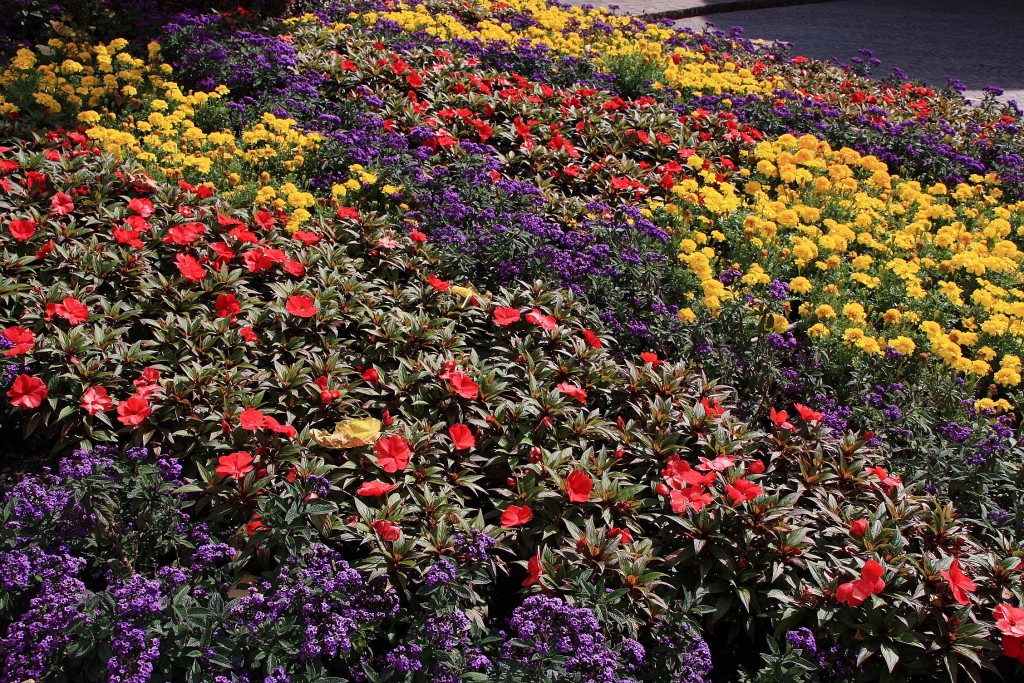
756,467
375,488
579,485
392,453
133,411
678,473
692,497
462,384
624,535
781,419
505,316
712,408
887,480
516,515
255,524
533,571
370,375
348,212
190,268
386,530
265,219
293,267
248,334
573,391
742,490
720,464
24,340
1010,622
27,392
853,593
806,414
96,400
650,358
62,204
23,228
301,306
306,237
228,306
71,309
45,249
141,206
252,419
236,465
859,527
593,341
326,395
959,583
546,322
439,284
273,425
462,437
417,236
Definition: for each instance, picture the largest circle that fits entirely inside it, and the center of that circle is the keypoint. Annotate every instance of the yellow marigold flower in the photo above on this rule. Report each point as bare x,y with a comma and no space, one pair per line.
825,311
818,331
855,312
852,335
800,285
687,315
1007,377
892,316
903,345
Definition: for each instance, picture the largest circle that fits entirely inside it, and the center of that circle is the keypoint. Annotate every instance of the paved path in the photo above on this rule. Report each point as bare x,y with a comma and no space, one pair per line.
979,42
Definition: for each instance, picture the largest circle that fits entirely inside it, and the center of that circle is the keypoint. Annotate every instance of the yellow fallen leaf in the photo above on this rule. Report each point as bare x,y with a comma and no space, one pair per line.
349,434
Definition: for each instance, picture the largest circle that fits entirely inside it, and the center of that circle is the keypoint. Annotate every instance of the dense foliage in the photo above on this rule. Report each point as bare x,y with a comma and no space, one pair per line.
499,342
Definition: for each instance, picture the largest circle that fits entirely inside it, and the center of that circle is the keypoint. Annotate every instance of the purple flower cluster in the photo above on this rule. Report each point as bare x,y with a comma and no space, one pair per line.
327,601
473,546
549,629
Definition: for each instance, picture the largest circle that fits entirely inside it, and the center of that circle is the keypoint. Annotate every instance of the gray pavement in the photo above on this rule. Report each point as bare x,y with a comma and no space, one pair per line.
978,42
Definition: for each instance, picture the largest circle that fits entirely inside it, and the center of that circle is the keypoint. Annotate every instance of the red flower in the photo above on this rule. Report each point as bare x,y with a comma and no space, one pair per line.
462,437
252,419
265,219
143,207
719,464
546,322
959,583
45,249
593,341
244,235
533,571
392,454
417,236
375,488
742,490
886,479
228,306
71,309
859,527
27,392
806,414
505,316
22,228
348,212
1010,622
693,497
463,385
579,485
756,467
712,408
624,535
96,400
326,395
306,237
780,419
853,593
189,268
293,267
62,204
516,515
650,358
678,473
133,411
370,375
301,306
235,465
386,530
23,339
248,334
256,524
439,284
573,391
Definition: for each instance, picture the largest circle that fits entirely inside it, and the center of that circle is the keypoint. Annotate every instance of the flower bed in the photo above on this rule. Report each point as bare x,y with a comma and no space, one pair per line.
405,315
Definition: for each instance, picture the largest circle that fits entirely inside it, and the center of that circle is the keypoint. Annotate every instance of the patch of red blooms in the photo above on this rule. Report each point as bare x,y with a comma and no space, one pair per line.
854,593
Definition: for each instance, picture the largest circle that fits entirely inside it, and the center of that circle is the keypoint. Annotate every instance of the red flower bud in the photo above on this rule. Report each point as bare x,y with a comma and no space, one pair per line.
662,489
859,527
756,467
